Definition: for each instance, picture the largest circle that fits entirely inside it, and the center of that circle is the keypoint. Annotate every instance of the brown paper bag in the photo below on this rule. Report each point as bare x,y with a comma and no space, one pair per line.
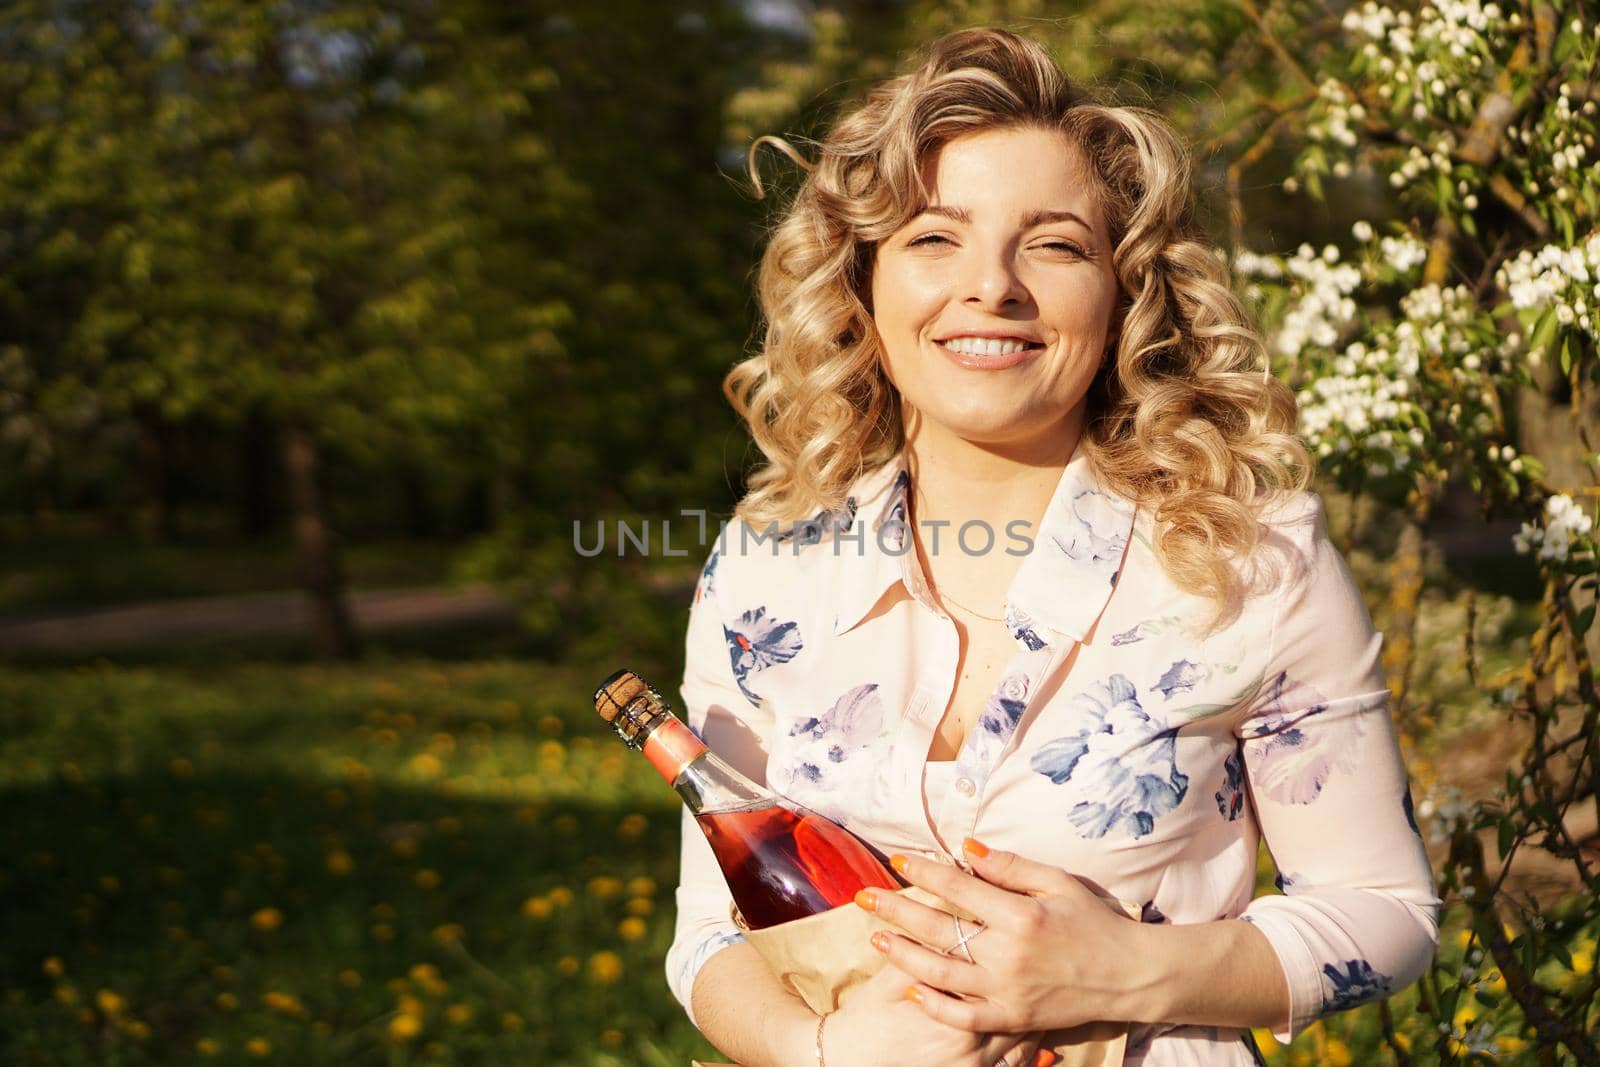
825,957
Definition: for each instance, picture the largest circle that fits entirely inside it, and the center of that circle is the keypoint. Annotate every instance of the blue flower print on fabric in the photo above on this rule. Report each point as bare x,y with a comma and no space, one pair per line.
1230,798
1149,913
1410,810
1020,623
1356,983
811,531
708,575
704,951
995,726
893,526
1096,531
756,642
1289,761
1120,768
1287,882
819,744
1181,677
1148,628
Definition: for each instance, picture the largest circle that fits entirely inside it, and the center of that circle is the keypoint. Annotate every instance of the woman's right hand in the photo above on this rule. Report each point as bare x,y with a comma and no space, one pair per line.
878,1027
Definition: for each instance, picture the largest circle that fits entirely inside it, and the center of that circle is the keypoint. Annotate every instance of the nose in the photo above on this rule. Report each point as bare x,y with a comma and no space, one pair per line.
992,281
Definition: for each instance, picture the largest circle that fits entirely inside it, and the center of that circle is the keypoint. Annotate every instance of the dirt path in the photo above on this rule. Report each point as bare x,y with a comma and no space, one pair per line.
163,621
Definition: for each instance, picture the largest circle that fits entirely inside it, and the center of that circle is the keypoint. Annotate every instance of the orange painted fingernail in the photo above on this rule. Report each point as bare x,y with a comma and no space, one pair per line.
880,941
975,847
899,862
913,994
867,900
1045,1058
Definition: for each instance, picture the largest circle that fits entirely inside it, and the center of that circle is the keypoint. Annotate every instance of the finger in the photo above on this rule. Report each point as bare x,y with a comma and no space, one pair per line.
1018,873
1015,1052
929,925
933,968
974,1016
988,902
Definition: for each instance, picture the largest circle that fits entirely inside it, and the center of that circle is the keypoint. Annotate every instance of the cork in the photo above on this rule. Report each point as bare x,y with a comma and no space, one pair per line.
616,692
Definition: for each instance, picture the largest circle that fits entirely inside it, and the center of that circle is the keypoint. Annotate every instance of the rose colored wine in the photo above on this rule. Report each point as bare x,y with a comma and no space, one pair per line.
781,865
781,861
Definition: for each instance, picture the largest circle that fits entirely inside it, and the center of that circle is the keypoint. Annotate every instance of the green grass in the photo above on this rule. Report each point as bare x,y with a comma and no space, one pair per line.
309,857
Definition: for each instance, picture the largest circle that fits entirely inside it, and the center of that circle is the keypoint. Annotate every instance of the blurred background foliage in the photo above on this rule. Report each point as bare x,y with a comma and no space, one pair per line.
342,296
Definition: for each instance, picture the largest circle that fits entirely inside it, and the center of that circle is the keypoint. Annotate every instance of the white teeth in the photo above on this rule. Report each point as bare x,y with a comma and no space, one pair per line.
984,346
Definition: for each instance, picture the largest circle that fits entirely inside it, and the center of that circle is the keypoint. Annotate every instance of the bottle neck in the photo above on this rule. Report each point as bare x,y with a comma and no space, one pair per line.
704,781
671,746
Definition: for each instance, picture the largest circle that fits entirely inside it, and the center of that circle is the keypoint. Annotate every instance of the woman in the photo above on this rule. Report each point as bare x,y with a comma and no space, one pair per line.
1066,625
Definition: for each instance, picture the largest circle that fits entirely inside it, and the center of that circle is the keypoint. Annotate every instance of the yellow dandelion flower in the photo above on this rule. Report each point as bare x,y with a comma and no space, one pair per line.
447,824
537,908
227,1002
641,906
322,1028
1265,1041
510,1021
350,979
382,910
208,1046
426,765
1510,1043
224,974
282,1003
67,993
396,986
458,1014
340,863
560,896
405,721
1404,1041
611,1038
404,1028
266,920
1495,981
423,972
404,847
605,966
568,965
109,1003
641,887
427,878
604,887
1336,1053
382,932
553,751
1463,937
564,824
1467,1014
407,1004
632,928
137,1029
53,966
448,933
632,826
259,1047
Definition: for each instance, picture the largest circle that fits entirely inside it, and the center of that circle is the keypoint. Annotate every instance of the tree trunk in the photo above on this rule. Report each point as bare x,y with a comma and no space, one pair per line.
332,631
258,503
160,479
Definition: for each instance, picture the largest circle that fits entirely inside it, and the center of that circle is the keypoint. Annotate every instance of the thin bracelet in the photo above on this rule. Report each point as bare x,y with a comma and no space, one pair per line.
822,1020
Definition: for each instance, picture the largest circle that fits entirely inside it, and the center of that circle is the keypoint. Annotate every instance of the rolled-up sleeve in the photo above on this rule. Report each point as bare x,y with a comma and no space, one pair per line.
735,729
1358,920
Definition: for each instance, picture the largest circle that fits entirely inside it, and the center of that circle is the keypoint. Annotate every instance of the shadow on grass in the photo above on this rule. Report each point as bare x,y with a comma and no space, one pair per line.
145,918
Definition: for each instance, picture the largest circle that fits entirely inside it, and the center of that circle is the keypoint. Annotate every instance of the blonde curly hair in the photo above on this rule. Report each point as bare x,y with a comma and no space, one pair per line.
1184,419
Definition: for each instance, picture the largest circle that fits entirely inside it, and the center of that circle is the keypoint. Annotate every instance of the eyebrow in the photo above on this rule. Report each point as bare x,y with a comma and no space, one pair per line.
1037,217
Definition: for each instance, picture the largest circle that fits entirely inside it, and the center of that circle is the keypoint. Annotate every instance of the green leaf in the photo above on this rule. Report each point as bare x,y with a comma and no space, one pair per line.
1507,834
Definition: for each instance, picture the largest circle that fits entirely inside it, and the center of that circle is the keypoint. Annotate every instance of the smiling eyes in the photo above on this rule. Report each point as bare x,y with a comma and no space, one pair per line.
1067,247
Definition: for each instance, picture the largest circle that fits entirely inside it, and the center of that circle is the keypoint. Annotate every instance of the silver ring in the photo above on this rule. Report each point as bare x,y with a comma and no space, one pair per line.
963,937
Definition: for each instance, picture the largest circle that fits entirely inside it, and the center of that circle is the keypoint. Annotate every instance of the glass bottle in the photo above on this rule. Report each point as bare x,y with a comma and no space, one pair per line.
781,860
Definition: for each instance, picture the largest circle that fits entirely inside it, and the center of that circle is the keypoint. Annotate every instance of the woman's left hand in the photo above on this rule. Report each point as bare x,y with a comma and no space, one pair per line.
1050,955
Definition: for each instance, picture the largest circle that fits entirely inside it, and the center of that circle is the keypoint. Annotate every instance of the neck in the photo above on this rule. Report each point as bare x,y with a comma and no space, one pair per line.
959,481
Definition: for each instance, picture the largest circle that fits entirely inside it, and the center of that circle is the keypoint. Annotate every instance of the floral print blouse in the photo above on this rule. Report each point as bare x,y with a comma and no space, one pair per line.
1126,742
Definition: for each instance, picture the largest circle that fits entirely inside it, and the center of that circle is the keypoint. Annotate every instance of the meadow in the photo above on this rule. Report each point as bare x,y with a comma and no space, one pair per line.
227,854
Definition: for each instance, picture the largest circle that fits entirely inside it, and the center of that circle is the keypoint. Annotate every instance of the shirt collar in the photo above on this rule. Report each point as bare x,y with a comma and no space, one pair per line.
1064,582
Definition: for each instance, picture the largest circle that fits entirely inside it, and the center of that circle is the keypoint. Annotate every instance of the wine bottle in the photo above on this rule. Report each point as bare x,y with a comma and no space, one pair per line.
781,860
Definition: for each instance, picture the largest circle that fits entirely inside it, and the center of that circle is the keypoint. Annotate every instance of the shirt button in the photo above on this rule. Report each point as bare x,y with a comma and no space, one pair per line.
965,787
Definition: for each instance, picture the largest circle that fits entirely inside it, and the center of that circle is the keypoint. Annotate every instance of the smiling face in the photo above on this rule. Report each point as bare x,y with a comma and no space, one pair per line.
993,305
